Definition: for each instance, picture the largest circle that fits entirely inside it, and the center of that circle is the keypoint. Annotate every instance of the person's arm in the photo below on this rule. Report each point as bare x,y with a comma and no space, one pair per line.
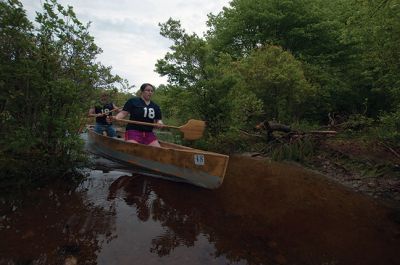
159,123
122,114
92,113
158,119
116,109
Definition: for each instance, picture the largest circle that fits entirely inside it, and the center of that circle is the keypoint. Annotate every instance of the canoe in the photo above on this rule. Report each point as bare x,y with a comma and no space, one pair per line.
171,161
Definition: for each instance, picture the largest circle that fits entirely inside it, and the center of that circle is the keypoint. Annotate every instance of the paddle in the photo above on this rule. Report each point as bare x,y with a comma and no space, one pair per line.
192,130
111,111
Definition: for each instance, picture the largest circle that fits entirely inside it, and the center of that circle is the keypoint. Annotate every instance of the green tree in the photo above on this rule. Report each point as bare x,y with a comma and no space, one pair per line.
209,84
48,75
186,69
308,29
277,79
300,26
375,28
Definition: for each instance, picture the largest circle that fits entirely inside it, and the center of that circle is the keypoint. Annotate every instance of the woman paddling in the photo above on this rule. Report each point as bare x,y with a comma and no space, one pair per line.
144,110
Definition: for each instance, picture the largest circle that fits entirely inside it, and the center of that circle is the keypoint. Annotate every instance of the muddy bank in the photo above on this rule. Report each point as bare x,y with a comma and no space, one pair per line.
365,166
264,213
368,168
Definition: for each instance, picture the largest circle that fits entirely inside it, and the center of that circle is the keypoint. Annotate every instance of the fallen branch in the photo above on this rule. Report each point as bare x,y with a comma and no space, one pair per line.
271,126
322,132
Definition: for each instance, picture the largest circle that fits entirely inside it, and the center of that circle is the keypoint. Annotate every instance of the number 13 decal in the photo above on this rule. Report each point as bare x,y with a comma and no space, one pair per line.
149,113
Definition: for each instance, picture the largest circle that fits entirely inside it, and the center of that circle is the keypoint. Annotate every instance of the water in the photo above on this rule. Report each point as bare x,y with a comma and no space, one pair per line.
264,213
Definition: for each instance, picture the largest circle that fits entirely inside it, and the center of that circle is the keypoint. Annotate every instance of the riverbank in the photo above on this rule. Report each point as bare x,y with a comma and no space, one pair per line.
370,168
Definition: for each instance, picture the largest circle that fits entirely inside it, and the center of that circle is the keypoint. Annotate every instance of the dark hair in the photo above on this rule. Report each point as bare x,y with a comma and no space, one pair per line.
142,87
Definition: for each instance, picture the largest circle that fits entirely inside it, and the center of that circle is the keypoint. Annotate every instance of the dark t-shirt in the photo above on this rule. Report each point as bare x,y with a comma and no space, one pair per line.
106,108
139,111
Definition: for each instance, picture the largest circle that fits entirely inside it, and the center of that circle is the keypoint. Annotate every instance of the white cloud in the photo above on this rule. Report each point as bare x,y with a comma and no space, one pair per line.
128,31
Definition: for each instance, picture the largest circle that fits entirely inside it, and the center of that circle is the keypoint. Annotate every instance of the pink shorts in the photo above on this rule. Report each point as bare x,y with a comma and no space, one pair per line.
140,136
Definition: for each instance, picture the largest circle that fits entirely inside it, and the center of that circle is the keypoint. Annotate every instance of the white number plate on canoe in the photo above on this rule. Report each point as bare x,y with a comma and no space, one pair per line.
199,160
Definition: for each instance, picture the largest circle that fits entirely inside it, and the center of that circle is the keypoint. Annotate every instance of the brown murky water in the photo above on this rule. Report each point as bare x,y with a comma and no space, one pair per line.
264,213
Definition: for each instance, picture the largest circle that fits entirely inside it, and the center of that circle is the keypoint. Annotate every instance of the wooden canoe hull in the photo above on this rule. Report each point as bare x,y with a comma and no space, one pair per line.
201,168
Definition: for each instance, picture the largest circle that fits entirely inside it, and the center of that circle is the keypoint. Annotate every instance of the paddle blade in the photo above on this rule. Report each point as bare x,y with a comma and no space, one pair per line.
193,129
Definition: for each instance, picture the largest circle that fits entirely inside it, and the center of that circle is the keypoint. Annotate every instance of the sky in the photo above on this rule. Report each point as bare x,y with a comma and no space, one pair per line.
128,32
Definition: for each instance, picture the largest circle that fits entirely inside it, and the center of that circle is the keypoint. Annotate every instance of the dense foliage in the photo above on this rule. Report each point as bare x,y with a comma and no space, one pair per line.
47,76
294,61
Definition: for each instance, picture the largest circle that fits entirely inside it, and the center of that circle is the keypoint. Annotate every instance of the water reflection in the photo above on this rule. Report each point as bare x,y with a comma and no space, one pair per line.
188,214
140,194
146,196
262,214
53,226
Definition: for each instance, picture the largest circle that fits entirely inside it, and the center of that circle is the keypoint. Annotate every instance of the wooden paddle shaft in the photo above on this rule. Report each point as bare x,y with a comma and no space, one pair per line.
147,123
105,114
192,130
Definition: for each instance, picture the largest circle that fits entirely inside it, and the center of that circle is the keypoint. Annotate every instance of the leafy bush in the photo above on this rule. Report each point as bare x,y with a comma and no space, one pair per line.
389,127
358,122
278,81
296,151
304,126
227,143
